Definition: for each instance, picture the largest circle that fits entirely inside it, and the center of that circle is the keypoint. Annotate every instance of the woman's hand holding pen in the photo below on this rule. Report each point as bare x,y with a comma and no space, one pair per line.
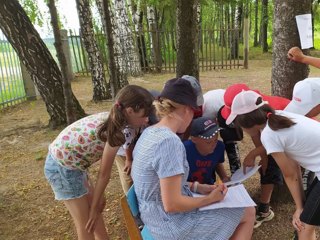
218,193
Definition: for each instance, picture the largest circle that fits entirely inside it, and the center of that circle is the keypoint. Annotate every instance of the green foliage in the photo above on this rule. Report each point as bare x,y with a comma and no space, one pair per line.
33,12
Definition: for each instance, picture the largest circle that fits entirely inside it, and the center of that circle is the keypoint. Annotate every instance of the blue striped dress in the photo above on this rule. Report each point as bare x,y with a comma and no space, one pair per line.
158,154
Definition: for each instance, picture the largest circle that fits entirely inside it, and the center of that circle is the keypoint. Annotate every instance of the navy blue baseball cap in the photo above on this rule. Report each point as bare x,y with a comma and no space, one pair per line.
204,127
180,91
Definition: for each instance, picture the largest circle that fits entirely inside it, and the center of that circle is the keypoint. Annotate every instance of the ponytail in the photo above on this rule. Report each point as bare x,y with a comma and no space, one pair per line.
263,115
277,122
132,96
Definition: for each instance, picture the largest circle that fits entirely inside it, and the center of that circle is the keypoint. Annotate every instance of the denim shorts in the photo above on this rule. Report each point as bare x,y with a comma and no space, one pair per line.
65,183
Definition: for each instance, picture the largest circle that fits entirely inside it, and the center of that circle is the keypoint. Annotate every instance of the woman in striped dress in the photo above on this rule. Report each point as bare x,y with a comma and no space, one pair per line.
160,170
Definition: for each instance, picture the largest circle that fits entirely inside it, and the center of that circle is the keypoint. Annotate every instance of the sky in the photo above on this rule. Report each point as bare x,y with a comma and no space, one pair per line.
68,14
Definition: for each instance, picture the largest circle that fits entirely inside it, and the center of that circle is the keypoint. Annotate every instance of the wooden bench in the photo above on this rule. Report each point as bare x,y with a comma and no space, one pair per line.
130,209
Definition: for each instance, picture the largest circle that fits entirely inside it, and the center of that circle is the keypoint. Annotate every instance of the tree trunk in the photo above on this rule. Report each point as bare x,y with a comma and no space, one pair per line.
187,38
124,38
235,34
137,17
70,113
239,17
285,35
256,20
113,68
264,25
155,40
34,54
100,88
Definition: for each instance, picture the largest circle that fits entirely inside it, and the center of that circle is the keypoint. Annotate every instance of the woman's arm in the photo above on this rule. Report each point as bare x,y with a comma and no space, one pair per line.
174,201
107,160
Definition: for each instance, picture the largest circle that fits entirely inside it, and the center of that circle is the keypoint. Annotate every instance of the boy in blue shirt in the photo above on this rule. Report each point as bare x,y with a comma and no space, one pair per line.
205,153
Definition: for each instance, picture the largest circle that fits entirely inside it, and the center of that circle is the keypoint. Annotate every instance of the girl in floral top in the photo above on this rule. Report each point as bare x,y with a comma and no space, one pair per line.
84,142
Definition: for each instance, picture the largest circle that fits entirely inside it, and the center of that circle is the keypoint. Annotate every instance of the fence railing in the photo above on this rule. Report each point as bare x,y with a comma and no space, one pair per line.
11,82
218,49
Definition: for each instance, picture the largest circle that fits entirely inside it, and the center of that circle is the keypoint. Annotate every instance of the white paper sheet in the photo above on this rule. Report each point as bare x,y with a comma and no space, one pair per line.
304,23
239,177
237,196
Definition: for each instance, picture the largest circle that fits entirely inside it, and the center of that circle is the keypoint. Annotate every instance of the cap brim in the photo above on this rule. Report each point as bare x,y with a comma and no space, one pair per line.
225,112
231,118
210,133
293,108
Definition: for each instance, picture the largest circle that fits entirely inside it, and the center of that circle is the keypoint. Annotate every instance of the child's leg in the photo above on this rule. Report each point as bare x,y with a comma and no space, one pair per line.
308,233
271,177
126,180
245,228
71,186
233,154
79,211
100,231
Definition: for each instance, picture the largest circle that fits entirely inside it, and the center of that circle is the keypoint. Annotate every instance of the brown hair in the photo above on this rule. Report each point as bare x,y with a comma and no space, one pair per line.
132,96
259,117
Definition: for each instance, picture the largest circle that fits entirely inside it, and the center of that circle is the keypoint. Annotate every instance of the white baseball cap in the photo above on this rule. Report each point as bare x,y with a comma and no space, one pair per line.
244,102
305,96
196,86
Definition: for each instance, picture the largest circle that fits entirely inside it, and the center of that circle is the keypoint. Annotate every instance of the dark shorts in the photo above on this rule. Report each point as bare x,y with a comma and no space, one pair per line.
311,209
273,173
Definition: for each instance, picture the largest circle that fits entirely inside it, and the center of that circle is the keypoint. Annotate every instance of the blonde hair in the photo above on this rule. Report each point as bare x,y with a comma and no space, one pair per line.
165,106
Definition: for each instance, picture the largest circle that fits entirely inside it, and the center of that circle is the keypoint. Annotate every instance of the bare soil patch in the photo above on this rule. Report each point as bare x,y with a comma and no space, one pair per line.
27,206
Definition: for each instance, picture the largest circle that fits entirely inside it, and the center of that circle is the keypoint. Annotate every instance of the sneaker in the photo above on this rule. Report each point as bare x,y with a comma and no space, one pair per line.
263,217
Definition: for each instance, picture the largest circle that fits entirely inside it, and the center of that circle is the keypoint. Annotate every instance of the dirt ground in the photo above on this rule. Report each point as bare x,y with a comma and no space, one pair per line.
27,206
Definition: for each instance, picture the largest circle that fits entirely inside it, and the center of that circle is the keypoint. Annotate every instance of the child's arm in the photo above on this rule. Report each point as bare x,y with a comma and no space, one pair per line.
249,160
222,173
128,163
292,175
295,54
107,160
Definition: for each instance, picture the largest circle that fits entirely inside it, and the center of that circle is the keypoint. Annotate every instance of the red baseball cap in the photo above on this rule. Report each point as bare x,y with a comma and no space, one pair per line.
229,95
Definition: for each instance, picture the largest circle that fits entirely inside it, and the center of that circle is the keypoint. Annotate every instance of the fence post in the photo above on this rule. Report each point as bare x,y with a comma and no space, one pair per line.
66,50
246,42
29,87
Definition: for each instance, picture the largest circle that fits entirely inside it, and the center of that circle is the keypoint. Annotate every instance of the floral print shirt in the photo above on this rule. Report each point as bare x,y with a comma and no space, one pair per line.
78,146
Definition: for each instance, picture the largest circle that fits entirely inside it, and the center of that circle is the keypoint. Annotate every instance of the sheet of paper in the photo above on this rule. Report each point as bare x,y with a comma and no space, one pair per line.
239,177
304,23
237,196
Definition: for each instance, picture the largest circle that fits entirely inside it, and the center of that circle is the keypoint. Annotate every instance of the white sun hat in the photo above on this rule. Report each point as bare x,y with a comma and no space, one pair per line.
244,102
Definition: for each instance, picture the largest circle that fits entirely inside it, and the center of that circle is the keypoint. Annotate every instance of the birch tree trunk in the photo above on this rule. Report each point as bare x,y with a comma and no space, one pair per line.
137,19
100,87
40,64
67,92
127,51
187,38
285,35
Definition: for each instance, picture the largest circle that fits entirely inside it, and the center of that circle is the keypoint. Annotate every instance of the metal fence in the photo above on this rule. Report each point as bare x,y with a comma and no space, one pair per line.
218,49
11,82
